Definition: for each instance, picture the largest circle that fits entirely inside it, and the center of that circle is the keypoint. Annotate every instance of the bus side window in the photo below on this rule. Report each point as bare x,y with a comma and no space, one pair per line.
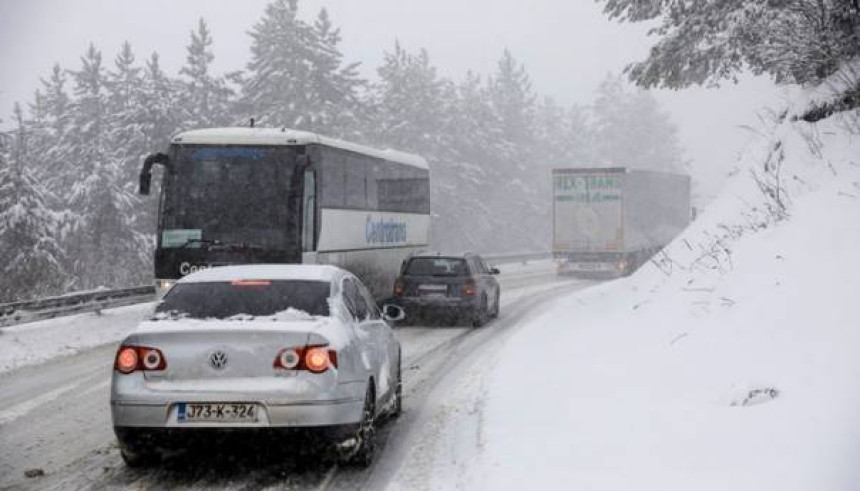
355,182
309,202
333,179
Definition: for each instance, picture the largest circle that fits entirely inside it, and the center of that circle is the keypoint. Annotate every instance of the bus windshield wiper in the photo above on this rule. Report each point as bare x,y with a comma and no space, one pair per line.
214,243
203,243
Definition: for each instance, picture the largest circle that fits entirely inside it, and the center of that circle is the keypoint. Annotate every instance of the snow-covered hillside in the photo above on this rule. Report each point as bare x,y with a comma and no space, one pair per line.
730,363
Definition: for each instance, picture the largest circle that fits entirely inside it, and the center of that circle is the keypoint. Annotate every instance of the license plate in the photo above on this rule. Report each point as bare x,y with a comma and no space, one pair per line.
433,290
590,266
217,412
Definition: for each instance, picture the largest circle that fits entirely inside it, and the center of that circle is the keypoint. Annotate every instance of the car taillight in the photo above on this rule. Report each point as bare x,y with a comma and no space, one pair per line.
289,359
316,359
130,359
469,289
399,288
126,360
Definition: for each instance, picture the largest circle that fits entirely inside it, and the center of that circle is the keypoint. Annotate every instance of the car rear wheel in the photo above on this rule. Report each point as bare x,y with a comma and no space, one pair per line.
365,437
481,314
496,306
397,405
136,458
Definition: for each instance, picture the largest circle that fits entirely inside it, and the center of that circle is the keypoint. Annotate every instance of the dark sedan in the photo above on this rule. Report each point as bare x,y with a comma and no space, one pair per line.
451,288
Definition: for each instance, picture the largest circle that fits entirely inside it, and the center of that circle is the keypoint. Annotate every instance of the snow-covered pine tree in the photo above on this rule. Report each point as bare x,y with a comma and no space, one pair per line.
125,127
513,98
337,85
32,258
278,84
794,41
631,130
129,142
103,247
517,171
297,77
410,103
419,111
159,102
562,135
473,138
205,98
48,145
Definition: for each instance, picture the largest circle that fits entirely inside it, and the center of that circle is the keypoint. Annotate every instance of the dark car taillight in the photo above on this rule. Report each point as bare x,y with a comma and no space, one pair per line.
469,288
399,288
130,359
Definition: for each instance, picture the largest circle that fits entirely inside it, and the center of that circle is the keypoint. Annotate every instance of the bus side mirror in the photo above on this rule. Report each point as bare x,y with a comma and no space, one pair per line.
145,181
146,171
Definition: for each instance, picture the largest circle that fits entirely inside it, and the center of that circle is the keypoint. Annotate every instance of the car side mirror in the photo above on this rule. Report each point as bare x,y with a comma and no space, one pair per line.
495,271
393,313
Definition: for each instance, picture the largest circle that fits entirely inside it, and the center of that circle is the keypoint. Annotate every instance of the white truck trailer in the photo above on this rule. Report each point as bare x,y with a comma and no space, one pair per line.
609,221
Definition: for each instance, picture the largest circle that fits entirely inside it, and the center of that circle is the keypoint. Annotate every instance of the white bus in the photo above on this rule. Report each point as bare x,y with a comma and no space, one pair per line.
261,195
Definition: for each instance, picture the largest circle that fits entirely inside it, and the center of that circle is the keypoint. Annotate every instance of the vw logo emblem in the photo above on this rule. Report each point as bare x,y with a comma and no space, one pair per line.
218,360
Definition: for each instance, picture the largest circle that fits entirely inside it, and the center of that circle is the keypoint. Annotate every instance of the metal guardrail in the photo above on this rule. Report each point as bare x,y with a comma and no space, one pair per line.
75,303
516,257
48,308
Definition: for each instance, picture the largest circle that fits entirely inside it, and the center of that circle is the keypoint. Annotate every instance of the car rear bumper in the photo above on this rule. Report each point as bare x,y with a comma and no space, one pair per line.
311,438
270,414
591,269
438,307
450,303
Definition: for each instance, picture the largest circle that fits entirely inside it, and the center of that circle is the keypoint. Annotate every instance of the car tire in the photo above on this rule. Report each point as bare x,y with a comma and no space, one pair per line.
397,405
409,320
136,459
366,434
496,305
481,314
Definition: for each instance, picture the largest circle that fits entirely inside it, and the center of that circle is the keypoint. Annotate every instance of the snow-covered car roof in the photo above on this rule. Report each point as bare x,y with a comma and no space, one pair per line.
302,272
286,136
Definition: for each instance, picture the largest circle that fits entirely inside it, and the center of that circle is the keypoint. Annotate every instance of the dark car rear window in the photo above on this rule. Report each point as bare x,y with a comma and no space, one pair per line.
221,300
436,266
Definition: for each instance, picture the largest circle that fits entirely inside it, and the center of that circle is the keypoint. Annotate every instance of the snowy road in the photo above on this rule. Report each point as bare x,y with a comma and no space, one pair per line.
55,416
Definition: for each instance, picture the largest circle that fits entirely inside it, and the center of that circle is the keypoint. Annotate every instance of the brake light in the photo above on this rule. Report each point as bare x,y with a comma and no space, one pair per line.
399,288
251,283
469,289
126,360
316,359
130,359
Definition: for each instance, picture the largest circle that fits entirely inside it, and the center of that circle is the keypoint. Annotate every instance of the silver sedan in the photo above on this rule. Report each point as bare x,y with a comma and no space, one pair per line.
262,349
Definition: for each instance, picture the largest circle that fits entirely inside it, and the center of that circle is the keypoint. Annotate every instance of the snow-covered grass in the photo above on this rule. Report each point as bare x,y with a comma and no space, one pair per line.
37,342
729,364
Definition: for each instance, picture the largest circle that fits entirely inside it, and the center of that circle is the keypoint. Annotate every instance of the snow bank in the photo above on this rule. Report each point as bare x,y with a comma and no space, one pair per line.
37,342
729,363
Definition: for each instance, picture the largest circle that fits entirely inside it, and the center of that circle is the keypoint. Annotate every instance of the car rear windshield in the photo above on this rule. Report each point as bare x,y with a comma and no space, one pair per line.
222,300
436,266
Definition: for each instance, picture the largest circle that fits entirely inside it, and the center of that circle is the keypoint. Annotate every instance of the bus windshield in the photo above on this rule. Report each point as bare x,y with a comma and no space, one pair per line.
229,195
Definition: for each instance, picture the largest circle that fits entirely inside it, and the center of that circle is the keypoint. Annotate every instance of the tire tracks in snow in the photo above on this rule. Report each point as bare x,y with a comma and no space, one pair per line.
436,367
77,386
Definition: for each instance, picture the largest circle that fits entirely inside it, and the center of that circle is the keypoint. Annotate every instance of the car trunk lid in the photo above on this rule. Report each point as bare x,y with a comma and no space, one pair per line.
199,353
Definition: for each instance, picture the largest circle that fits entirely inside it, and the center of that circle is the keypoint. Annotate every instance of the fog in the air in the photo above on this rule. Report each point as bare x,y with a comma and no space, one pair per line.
567,46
